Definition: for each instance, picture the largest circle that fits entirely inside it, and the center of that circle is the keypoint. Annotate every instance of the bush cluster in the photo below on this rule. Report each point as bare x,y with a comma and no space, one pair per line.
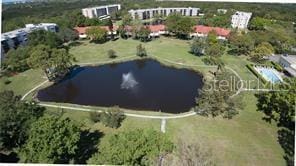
111,118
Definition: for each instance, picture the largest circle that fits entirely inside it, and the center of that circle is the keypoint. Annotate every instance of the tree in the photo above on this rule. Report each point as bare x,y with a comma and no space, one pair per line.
136,147
94,116
116,15
180,25
212,38
122,32
40,58
157,19
215,49
110,26
127,20
16,117
258,23
112,118
51,140
214,99
54,62
143,33
112,54
262,50
61,61
241,44
279,106
141,51
16,60
67,34
97,34
136,26
190,154
218,21
43,37
198,46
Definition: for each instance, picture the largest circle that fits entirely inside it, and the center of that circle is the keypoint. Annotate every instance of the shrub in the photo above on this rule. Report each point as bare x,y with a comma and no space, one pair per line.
209,60
141,51
6,82
251,68
277,66
111,118
94,116
112,54
135,147
198,46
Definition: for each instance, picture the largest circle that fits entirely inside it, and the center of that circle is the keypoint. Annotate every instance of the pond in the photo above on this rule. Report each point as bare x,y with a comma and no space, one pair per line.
139,85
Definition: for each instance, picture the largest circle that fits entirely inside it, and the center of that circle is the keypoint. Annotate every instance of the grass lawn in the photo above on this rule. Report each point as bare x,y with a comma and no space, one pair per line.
244,140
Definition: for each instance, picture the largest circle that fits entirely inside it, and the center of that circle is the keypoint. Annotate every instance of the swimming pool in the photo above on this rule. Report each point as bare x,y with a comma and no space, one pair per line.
269,74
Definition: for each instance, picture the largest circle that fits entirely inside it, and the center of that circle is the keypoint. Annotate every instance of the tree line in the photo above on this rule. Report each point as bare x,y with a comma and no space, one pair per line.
68,13
38,135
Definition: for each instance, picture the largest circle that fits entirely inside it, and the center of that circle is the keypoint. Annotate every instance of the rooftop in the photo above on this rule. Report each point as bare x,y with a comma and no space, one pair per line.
239,13
156,28
164,8
82,30
205,30
96,7
289,58
27,29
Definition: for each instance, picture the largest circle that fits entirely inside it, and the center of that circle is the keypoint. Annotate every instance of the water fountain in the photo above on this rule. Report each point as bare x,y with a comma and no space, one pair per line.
128,81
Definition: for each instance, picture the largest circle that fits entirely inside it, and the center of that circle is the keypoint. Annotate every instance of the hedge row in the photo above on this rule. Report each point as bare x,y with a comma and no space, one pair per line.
258,75
277,66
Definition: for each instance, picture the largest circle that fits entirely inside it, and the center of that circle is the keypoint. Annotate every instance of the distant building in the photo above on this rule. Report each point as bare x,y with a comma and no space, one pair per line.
157,30
288,62
203,31
240,20
101,12
150,13
15,38
222,11
82,30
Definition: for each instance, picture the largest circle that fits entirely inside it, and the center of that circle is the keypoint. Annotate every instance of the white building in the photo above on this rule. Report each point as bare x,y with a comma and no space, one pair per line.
150,13
240,20
15,38
288,62
101,12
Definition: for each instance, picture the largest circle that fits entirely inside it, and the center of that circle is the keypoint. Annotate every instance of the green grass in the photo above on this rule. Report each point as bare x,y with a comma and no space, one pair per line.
244,140
23,82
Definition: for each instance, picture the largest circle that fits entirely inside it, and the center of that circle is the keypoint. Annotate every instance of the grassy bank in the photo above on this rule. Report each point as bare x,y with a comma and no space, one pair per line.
244,140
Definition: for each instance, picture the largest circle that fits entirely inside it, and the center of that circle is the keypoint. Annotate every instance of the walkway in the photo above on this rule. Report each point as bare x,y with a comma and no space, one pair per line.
163,117
127,114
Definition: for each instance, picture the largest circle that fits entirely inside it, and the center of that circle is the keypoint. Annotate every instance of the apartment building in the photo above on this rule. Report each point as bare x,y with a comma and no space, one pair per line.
81,31
240,20
15,38
150,13
101,12
203,31
157,30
